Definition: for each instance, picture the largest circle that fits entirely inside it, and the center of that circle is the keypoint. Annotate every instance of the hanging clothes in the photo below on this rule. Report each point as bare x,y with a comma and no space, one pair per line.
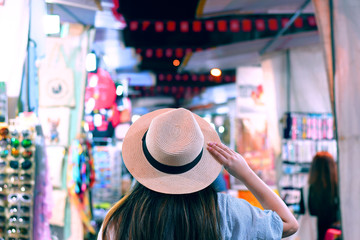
43,191
81,177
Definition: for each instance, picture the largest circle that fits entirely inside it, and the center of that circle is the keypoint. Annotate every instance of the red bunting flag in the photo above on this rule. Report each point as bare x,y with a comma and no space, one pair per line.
179,53
222,26
159,26
284,21
298,23
260,24
209,25
184,26
234,25
273,24
246,25
145,25
159,53
149,53
168,52
311,21
134,25
196,26
171,26
161,77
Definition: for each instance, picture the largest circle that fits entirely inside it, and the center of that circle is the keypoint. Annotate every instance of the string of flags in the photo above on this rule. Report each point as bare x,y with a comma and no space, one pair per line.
176,91
202,78
182,85
166,52
241,24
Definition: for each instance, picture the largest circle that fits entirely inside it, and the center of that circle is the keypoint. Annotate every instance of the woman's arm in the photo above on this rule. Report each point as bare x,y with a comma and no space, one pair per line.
236,165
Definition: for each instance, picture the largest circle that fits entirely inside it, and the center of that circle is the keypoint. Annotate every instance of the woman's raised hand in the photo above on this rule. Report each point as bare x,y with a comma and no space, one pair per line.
233,162
236,165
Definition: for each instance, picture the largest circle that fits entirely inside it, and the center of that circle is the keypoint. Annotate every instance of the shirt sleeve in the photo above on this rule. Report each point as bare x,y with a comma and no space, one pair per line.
245,221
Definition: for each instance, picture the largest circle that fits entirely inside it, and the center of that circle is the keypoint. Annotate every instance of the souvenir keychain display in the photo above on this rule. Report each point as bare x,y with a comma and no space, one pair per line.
16,182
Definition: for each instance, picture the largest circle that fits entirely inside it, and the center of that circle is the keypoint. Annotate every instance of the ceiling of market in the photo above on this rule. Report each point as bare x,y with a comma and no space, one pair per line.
146,44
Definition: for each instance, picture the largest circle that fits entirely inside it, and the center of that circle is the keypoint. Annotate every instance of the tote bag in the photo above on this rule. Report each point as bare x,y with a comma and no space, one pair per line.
56,79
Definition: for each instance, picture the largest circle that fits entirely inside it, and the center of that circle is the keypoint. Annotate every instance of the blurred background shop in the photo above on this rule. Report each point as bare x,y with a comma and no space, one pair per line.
278,80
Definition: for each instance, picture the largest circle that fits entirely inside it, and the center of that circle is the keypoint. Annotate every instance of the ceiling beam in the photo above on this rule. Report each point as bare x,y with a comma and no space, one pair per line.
285,28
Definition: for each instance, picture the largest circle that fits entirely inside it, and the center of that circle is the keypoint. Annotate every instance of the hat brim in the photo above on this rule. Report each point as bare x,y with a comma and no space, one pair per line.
196,179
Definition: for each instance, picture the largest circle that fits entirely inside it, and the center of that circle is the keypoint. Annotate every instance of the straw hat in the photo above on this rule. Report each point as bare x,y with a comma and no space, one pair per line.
165,150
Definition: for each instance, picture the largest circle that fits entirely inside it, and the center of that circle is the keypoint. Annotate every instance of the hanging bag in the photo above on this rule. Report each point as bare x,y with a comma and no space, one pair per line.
56,79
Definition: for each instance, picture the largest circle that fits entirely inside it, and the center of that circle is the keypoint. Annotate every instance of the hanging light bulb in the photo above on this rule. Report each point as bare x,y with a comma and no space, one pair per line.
51,24
176,62
215,72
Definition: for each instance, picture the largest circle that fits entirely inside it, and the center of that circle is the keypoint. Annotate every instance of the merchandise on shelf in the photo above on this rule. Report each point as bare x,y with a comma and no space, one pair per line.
315,126
17,173
305,134
81,178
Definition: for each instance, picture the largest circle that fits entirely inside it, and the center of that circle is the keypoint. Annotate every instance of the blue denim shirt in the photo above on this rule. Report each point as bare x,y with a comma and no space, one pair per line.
240,220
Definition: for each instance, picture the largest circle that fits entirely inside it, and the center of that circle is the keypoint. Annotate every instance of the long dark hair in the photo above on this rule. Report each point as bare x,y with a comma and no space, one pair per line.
146,214
323,174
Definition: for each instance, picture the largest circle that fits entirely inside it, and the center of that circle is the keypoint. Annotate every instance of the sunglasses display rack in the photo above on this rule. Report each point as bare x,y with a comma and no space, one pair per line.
305,134
17,169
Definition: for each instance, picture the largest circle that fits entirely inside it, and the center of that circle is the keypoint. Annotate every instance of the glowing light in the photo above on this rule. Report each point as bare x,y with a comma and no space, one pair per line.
90,62
221,129
51,24
93,81
97,120
215,72
134,118
86,127
119,90
176,63
90,105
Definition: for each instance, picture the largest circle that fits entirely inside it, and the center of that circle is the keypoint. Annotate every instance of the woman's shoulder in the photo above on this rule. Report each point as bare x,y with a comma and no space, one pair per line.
240,218
229,201
231,206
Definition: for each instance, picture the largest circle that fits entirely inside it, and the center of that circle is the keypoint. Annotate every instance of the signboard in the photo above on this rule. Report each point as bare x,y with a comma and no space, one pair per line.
252,126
